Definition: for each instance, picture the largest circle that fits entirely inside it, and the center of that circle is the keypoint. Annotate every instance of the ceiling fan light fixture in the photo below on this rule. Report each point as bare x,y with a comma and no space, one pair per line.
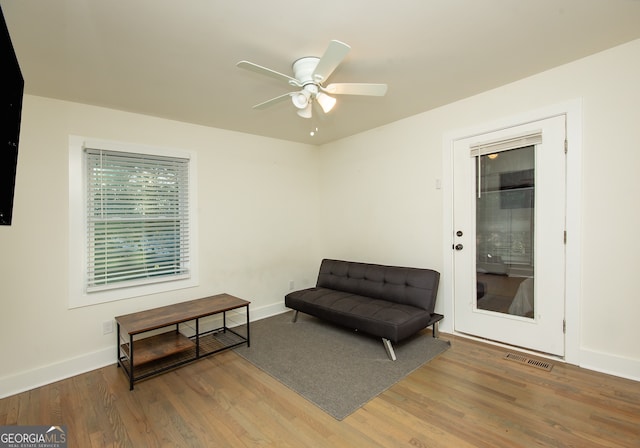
326,102
305,112
300,99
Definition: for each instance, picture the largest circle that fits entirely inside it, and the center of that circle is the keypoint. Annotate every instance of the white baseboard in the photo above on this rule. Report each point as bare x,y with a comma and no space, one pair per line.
43,375
267,311
610,364
40,376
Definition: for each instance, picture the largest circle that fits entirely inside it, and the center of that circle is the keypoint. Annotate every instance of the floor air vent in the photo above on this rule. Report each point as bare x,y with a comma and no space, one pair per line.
529,361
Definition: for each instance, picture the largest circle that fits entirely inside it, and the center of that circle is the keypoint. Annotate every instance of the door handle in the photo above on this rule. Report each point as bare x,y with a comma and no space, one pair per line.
458,246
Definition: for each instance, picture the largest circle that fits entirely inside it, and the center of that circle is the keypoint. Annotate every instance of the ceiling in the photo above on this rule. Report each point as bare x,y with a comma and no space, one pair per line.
177,59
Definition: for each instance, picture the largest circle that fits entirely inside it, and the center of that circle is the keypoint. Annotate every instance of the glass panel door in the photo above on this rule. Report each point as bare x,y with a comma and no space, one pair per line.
508,238
505,217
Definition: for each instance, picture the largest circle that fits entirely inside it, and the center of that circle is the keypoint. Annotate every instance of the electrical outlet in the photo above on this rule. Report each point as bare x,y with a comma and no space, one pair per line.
107,327
292,285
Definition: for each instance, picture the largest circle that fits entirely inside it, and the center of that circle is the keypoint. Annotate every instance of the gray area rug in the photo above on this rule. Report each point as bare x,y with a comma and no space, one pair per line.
337,369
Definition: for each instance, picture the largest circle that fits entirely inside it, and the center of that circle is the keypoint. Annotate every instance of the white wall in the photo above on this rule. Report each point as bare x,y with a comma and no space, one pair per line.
382,186
257,225
269,210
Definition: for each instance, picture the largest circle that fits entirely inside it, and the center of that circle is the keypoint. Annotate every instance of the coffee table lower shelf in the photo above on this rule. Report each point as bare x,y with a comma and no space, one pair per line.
167,351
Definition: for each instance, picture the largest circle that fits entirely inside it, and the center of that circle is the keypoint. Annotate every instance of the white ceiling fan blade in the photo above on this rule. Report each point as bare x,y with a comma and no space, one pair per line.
332,57
356,89
267,71
272,101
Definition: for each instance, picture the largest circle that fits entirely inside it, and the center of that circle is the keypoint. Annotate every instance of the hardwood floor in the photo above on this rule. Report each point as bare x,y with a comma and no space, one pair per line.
467,397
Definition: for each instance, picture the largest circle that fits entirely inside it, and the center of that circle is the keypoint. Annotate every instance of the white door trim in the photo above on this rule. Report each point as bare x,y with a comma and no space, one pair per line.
573,111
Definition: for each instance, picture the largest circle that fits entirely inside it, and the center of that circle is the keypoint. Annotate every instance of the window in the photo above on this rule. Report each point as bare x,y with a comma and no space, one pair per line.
136,220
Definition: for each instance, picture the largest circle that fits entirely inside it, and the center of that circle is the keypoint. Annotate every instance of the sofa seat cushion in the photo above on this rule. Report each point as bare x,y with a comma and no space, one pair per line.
393,321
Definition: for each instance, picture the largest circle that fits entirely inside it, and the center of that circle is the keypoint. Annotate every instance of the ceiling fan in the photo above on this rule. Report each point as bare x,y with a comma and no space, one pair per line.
310,75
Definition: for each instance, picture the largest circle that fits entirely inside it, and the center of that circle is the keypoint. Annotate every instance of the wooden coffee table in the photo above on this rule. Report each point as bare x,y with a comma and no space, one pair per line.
159,339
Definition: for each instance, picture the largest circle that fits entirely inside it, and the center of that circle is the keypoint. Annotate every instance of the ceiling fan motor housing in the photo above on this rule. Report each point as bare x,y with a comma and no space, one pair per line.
303,70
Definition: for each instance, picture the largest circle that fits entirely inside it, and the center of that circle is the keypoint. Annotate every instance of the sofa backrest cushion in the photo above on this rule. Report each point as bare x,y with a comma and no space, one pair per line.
404,285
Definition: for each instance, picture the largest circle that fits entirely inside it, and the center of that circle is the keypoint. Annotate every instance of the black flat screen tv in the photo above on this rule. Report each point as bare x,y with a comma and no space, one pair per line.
12,88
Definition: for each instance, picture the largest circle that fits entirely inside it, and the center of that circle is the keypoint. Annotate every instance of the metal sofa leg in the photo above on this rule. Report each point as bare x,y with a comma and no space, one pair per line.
295,316
389,348
436,332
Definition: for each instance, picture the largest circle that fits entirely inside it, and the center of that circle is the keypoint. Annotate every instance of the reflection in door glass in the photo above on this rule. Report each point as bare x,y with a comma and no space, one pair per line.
505,231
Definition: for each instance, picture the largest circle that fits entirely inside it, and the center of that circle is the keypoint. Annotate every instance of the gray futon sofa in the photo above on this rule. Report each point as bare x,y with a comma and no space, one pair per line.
390,302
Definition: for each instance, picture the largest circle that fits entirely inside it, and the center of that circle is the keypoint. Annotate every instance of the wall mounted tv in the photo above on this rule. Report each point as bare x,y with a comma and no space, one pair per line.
12,89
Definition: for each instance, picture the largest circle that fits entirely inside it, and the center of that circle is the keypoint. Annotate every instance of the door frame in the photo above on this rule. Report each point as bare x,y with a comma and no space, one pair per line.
573,112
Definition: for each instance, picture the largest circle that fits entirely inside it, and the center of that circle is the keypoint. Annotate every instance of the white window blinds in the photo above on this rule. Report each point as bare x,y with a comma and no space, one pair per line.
506,144
137,219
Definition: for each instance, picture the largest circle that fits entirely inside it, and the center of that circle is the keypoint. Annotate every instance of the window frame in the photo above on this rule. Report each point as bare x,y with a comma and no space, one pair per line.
78,231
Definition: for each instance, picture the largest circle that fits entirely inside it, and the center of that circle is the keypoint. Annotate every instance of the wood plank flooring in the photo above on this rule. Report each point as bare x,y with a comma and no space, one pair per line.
467,397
